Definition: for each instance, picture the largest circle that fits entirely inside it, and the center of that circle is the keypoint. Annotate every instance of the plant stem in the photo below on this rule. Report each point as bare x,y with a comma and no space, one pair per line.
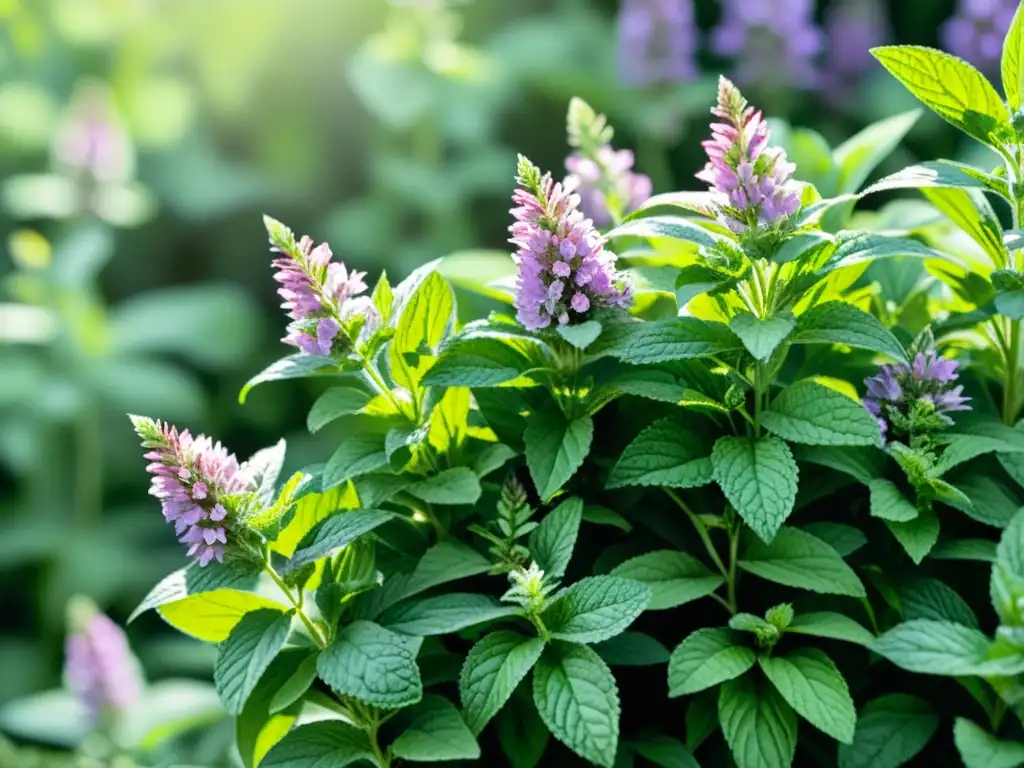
734,543
1010,387
702,531
318,637
383,758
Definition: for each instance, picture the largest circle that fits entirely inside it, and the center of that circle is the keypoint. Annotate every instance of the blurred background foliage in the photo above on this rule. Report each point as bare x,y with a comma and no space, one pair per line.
140,140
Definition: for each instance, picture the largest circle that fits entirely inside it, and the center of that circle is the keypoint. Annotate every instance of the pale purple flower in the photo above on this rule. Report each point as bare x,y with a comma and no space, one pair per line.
606,181
773,42
99,667
564,271
657,41
91,138
977,30
852,29
929,379
196,481
750,181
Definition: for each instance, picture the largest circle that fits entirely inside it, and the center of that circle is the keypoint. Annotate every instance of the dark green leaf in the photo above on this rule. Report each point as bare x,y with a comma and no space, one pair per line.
675,578
493,669
759,726
245,655
797,559
758,477
437,733
838,323
891,730
664,455
552,542
704,659
555,449
371,664
811,413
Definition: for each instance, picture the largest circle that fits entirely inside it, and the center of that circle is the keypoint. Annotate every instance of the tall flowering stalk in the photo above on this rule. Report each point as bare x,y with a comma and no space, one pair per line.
564,271
657,41
751,182
200,487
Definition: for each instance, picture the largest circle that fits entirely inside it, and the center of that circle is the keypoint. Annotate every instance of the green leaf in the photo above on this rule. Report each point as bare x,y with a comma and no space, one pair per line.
861,463
1010,551
211,616
810,682
245,655
673,227
844,539
980,550
444,614
446,561
891,730
838,323
932,599
940,174
889,503
917,536
437,733
950,87
811,413
704,659
555,449
759,726
595,608
424,320
598,515
675,338
959,449
695,279
297,366
980,749
580,336
859,246
760,336
491,457
335,403
835,626
194,580
972,212
674,577
258,729
632,649
371,664
664,455
798,559
935,648
578,700
1012,66
458,485
480,360
332,534
859,155
308,512
666,752
758,477
328,742
493,669
553,541
521,733
295,687
358,455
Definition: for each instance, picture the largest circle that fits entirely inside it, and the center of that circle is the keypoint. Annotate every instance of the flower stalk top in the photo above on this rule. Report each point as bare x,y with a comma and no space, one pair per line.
198,483
750,181
564,271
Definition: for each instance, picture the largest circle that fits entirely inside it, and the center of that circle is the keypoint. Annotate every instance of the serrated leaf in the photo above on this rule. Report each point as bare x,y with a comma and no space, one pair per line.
891,730
444,614
493,669
759,726
424,318
446,561
917,536
695,279
673,227
704,659
358,455
308,512
932,599
292,367
437,733
332,534
335,403
328,742
810,682
245,655
798,559
578,700
595,609
836,322
940,174
889,503
664,455
1012,64
458,485
632,649
935,648
761,336
553,541
371,664
258,729
810,413
211,616
758,476
194,580
659,341
980,749
959,449
555,449
950,87
835,626
480,360
675,578
580,336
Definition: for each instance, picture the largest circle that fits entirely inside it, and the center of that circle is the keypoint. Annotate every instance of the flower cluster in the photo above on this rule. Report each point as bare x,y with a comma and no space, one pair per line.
751,181
195,480
99,667
914,399
317,291
976,31
657,41
604,180
564,271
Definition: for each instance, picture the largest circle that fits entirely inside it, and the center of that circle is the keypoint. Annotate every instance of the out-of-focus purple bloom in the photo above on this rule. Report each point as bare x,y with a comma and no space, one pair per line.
976,31
564,271
657,41
852,29
749,179
773,42
317,294
92,140
195,480
606,179
99,667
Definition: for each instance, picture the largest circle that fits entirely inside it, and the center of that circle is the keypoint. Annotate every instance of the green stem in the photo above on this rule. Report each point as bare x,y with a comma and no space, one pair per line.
702,531
314,631
1010,389
734,543
382,757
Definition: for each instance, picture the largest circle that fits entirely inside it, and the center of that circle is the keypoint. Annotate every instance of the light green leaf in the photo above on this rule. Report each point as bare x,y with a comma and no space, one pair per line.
194,580
424,320
673,227
245,655
258,729
972,212
844,539
798,559
335,532
1013,62
578,701
759,726
861,153
553,541
211,616
659,341
761,337
704,659
480,360
889,503
292,367
932,599
335,403
811,413
449,421
835,626
952,88
458,485
308,512
358,455
328,742
1010,551
295,687
758,477
959,449
917,536
891,730
810,682
580,336
664,455
674,577
444,614
555,449
493,669
858,246
666,752
980,749
371,664
437,733
940,174
632,649
836,322
935,648
446,561
595,608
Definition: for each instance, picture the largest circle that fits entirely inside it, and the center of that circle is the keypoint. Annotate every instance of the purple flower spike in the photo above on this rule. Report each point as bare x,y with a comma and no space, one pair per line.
852,28
976,31
564,271
197,481
608,173
657,41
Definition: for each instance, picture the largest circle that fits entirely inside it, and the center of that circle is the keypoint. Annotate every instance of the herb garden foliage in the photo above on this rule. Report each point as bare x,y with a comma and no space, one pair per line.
660,469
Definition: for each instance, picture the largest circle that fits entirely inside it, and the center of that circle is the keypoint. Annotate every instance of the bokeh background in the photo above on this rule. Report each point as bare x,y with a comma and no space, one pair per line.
141,140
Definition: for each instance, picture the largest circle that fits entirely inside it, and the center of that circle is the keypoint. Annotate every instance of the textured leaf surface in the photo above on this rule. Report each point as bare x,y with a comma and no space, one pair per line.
664,455
674,227
491,672
446,561
443,614
555,449
932,599
917,536
632,649
760,336
844,539
795,558
891,730
358,455
292,367
811,413
211,616
553,541
889,503
934,647
195,579
459,485
334,533
437,733
704,659
810,682
424,319
373,665
479,361
335,403
245,655
836,322
596,608
758,724
659,341
316,745
980,749
674,577
758,477
832,625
